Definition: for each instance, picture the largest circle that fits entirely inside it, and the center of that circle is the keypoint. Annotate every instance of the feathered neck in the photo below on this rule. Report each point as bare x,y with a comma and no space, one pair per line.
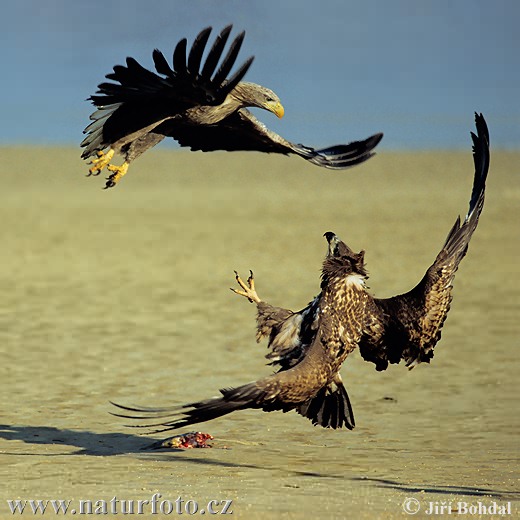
338,268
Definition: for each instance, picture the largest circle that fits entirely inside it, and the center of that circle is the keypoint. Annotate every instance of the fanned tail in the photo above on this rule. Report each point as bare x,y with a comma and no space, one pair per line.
330,408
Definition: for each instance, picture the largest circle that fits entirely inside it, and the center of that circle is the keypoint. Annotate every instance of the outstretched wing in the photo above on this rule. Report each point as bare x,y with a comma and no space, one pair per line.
299,387
138,98
408,326
243,131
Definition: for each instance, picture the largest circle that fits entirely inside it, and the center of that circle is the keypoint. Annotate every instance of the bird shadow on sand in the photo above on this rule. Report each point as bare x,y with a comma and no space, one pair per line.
88,443
441,490
110,444
106,445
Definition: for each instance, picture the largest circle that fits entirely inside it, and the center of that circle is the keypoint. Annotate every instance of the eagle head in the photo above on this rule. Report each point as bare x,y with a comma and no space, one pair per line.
253,95
341,261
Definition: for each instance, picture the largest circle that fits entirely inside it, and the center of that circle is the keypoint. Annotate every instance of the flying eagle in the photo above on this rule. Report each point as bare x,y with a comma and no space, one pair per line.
196,106
311,345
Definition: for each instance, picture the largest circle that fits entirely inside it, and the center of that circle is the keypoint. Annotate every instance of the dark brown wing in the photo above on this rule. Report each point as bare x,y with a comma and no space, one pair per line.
139,98
408,326
242,131
283,391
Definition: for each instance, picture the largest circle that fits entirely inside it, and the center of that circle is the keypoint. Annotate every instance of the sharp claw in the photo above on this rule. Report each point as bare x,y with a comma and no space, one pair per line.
248,290
100,163
109,184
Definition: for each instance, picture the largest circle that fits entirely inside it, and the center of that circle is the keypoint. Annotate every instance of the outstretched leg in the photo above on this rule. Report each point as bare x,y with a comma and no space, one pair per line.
102,161
248,291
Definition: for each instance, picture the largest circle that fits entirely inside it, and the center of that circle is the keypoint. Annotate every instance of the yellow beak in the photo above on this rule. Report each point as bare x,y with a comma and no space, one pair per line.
276,108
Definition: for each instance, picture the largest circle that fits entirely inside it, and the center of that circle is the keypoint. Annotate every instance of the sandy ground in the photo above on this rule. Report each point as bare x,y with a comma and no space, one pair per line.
123,295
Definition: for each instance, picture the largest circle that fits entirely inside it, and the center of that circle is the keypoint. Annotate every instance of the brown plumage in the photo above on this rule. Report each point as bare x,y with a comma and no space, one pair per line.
311,345
198,107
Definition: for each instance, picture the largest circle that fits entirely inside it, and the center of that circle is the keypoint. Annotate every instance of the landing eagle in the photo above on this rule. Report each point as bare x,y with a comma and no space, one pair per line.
311,345
198,107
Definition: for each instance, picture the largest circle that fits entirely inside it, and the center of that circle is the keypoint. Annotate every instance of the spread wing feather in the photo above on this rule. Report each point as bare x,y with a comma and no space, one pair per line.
215,53
282,391
243,131
138,98
408,326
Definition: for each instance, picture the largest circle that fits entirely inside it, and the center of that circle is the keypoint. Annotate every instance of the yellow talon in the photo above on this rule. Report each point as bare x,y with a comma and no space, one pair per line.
249,291
102,161
118,172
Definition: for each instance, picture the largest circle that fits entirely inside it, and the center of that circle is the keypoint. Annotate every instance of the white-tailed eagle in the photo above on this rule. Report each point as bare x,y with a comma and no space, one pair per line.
311,345
198,106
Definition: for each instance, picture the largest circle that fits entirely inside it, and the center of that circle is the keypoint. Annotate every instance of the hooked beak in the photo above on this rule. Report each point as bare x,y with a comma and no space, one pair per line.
276,108
336,246
333,240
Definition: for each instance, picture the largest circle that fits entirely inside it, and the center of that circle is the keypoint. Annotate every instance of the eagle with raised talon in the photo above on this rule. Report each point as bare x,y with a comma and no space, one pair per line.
311,345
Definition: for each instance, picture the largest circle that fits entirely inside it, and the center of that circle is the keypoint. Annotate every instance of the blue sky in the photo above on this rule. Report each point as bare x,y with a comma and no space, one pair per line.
414,69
